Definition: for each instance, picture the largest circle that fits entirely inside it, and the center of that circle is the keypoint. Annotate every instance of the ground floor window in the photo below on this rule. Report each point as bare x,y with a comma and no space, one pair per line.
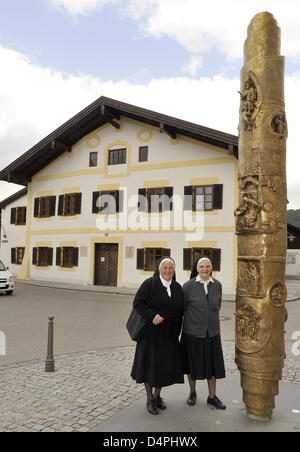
67,256
42,256
17,255
147,258
190,255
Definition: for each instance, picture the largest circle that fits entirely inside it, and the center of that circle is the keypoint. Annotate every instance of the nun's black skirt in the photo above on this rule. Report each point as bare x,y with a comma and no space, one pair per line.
202,357
157,362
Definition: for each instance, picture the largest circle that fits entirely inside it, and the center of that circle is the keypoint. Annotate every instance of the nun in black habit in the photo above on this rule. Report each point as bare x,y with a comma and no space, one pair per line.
157,361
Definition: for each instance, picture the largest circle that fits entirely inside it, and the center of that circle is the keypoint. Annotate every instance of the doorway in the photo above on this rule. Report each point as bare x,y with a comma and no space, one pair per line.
106,264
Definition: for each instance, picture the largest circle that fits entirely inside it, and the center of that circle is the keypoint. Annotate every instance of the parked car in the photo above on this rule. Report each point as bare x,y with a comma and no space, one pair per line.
7,283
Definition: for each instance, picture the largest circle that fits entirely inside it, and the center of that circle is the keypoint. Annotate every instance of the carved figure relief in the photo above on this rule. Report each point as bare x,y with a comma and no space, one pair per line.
277,295
253,328
248,324
250,277
279,125
247,212
249,103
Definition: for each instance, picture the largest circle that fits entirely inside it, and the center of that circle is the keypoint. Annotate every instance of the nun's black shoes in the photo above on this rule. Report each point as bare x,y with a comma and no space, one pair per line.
160,403
152,406
216,403
191,400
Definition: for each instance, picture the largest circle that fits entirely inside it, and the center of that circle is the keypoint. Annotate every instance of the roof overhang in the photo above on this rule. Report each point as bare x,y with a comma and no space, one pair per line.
100,112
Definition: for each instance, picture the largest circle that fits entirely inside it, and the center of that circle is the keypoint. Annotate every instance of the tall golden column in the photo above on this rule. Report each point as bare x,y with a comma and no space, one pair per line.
261,219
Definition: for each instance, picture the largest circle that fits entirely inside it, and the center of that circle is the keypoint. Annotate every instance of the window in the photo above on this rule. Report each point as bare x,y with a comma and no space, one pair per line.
108,201
291,259
155,199
17,255
203,197
42,256
117,156
190,255
93,158
147,258
69,204
18,215
67,256
44,207
143,154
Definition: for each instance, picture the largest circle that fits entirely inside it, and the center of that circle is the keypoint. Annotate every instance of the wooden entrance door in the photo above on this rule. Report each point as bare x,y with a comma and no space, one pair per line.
106,264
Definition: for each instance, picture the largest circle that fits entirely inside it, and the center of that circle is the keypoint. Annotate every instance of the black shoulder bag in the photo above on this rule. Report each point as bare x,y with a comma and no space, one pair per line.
135,323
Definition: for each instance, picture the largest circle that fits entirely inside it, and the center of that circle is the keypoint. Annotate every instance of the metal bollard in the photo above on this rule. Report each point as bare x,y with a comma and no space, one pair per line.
49,367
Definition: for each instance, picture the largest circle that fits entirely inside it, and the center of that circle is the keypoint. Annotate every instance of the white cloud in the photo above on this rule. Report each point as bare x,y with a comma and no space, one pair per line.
34,101
201,26
192,66
80,7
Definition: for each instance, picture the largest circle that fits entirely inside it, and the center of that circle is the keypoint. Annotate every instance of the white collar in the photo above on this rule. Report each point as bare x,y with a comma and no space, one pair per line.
166,284
198,279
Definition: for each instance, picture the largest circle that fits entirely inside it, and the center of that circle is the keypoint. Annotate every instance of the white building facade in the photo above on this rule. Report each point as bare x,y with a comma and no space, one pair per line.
106,206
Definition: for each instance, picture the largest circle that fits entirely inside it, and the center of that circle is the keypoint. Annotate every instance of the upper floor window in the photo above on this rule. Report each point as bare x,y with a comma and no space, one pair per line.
69,204
93,158
108,201
44,207
143,154
18,215
117,156
147,258
158,199
203,197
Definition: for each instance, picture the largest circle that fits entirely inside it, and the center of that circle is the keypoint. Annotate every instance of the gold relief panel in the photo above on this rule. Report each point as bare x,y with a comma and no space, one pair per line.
253,326
250,278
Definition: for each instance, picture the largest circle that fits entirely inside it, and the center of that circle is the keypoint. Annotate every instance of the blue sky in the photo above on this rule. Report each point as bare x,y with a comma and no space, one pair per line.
179,57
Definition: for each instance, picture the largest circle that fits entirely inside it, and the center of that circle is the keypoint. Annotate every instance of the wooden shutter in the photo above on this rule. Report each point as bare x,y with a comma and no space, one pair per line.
36,207
78,197
169,193
95,207
13,255
120,201
218,196
60,205
142,202
58,256
13,215
75,257
187,258
34,256
52,206
216,259
188,198
166,252
50,256
140,261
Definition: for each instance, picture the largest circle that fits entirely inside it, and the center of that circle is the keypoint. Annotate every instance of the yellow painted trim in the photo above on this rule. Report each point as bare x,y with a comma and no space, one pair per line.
128,158
93,136
141,132
86,172
64,243
119,241
24,272
67,269
42,245
68,217
173,141
41,194
182,164
204,181
39,267
203,244
156,183
94,132
44,219
70,190
108,187
154,244
129,231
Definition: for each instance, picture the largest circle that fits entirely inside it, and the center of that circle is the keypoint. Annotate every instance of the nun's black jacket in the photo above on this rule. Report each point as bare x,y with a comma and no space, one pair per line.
151,299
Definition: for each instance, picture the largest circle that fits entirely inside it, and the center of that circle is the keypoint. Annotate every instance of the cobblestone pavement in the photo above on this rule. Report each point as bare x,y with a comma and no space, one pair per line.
85,389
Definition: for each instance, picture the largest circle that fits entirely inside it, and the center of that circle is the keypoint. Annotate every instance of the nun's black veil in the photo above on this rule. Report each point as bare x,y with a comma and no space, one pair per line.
194,271
156,273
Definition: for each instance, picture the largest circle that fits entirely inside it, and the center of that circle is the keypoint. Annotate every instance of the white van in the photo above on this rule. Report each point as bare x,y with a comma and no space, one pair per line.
7,283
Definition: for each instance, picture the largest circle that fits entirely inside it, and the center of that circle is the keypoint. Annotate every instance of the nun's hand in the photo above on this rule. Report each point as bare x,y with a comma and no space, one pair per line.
157,320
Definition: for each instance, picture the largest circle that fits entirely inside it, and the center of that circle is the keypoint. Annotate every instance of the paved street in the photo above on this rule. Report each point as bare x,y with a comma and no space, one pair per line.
93,358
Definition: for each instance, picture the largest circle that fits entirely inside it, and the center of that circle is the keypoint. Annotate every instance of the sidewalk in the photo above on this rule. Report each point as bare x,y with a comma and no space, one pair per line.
93,391
293,288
